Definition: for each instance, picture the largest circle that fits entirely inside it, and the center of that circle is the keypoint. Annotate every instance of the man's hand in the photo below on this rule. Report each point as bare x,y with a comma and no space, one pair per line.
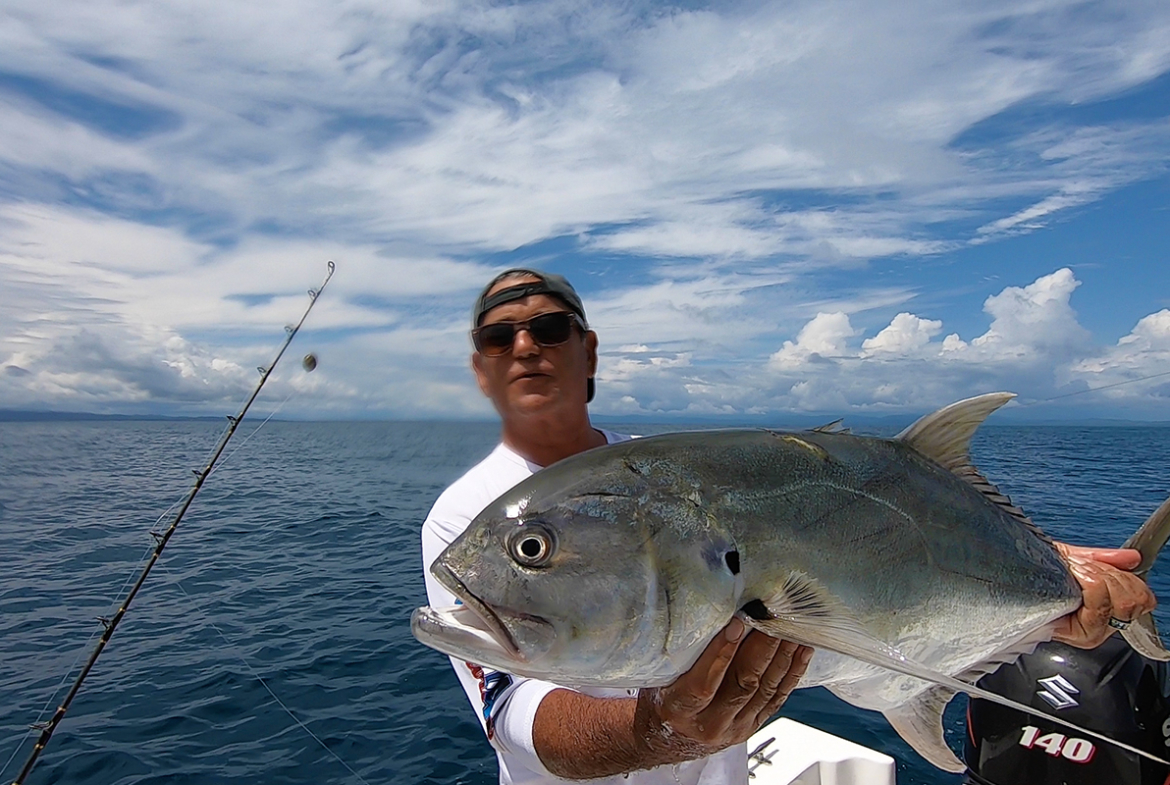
1109,590
738,682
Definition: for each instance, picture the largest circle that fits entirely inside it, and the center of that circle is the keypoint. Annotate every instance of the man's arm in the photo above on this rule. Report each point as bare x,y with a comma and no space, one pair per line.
735,686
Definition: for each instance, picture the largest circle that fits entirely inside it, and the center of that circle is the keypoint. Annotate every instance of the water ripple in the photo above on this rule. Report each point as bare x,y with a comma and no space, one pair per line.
303,553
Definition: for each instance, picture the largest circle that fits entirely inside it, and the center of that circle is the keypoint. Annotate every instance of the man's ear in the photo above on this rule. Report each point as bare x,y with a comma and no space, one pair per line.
591,351
480,376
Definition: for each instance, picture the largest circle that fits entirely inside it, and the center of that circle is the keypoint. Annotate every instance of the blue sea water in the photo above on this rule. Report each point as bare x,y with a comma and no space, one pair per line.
297,568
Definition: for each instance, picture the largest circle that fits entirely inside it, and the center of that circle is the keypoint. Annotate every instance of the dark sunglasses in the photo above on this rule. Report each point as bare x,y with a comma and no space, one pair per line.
548,329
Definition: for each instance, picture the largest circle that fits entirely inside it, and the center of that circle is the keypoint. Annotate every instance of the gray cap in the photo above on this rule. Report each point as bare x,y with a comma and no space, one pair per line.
549,283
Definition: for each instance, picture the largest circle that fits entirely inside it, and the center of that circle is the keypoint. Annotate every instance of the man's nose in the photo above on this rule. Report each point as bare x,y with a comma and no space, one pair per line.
523,345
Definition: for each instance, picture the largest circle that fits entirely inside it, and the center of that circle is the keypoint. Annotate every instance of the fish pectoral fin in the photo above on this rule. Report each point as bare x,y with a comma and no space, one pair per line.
919,722
1143,636
803,611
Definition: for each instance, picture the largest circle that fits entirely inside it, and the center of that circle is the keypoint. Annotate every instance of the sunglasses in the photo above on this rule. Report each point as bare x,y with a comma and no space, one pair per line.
548,329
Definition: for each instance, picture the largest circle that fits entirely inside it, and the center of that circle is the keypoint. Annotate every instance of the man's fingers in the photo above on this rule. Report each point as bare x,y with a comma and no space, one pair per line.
771,679
747,669
1106,592
1121,558
777,683
1129,596
694,690
791,680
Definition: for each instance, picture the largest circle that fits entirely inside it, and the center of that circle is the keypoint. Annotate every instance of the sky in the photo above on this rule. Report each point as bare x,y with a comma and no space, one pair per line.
769,208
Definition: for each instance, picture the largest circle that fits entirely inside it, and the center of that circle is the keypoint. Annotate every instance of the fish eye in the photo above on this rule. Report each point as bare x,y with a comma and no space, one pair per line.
532,546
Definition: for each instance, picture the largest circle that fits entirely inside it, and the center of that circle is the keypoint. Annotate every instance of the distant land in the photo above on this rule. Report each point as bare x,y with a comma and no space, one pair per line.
19,415
1004,417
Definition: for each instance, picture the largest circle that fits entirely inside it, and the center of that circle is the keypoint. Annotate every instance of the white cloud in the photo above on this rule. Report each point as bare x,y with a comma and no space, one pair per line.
485,126
1142,354
173,176
95,311
905,335
1034,345
1152,333
1033,320
823,338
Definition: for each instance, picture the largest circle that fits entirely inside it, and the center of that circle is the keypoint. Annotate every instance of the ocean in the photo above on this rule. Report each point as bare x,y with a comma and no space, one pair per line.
294,575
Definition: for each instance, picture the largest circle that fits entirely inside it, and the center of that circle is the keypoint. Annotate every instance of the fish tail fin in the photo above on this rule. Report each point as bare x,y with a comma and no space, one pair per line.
1142,634
1150,538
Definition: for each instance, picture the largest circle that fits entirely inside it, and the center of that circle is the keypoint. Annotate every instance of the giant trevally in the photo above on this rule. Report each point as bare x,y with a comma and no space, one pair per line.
910,573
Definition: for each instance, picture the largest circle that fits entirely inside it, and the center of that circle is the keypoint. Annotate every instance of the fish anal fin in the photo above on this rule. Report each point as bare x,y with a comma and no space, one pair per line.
919,723
1143,636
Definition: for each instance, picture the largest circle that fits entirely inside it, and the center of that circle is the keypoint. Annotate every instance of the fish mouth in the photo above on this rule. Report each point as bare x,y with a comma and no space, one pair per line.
472,620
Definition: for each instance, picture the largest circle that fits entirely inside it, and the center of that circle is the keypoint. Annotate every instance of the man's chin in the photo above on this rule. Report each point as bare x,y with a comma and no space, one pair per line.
545,400
535,402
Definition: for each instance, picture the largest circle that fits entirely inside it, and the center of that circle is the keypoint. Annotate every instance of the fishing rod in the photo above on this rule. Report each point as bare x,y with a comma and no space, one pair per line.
162,538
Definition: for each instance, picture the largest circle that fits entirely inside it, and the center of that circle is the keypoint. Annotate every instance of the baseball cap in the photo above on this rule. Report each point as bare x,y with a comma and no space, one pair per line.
550,283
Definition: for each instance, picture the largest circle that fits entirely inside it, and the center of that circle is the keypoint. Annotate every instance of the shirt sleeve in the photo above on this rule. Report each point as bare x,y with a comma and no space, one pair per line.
505,704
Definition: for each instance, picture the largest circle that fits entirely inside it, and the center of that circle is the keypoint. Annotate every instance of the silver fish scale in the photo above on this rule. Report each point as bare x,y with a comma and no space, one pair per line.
915,553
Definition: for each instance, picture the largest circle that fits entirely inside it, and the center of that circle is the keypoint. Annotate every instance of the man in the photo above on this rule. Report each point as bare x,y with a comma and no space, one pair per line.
535,359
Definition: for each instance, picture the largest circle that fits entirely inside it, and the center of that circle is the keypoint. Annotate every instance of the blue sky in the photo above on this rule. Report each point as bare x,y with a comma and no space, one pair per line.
769,208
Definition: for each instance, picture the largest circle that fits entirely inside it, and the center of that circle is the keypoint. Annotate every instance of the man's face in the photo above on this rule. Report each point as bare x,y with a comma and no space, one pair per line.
532,377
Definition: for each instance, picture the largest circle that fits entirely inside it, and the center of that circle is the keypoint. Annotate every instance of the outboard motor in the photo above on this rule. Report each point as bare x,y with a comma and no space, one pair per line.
1111,689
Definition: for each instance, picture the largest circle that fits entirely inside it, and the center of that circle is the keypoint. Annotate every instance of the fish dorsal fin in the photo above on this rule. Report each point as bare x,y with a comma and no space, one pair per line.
831,427
945,438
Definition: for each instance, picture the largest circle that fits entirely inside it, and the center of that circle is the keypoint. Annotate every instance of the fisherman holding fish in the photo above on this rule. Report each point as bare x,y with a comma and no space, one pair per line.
536,359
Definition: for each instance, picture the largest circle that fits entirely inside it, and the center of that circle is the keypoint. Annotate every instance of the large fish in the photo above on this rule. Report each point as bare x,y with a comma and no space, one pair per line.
905,568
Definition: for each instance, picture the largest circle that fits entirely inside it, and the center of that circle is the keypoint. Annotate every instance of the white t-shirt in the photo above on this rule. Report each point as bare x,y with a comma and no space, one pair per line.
506,704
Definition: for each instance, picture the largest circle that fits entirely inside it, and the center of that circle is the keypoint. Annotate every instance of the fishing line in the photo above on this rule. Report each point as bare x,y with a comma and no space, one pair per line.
240,656
247,438
162,538
48,702
37,724
1095,389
